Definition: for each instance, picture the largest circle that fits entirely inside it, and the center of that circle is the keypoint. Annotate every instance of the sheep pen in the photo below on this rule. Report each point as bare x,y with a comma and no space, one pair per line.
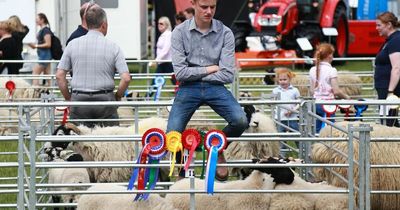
381,153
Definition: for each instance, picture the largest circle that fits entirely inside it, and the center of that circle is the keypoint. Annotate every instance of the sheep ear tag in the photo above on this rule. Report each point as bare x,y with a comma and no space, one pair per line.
190,139
174,144
215,142
153,142
10,86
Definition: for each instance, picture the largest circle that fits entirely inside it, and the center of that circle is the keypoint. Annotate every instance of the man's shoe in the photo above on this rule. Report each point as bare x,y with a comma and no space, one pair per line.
222,172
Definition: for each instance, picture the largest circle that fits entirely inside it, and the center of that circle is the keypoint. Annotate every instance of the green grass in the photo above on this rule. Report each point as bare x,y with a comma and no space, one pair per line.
8,146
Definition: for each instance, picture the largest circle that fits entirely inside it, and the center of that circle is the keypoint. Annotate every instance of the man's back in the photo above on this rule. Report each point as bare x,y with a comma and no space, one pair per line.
94,61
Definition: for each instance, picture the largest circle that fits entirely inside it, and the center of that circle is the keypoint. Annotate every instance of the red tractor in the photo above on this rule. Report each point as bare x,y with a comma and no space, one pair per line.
292,28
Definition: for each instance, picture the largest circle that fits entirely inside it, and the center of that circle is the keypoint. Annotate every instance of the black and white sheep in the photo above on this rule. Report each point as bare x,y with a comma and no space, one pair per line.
247,150
108,151
120,201
259,179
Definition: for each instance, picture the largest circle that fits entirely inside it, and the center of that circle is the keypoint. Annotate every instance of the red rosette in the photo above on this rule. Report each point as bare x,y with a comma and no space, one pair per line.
156,139
10,85
190,137
217,139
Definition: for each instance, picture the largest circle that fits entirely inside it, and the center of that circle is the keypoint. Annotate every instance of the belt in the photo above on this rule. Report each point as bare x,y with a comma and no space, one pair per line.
92,92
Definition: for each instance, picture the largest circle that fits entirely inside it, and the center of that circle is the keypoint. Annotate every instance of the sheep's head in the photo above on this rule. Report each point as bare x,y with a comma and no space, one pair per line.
249,110
65,130
280,175
269,78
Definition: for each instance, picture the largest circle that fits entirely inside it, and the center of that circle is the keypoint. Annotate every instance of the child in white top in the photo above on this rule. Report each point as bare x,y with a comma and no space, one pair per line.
285,112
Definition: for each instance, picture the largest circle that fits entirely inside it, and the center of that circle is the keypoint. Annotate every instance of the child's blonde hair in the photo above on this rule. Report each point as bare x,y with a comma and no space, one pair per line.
283,70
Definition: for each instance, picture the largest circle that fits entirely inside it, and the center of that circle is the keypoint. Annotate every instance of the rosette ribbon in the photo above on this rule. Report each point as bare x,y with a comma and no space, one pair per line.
174,145
10,86
346,108
153,142
158,84
329,110
215,142
65,114
190,139
360,108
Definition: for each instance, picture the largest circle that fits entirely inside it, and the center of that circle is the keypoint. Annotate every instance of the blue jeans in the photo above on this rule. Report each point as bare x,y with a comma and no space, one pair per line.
191,96
194,94
320,112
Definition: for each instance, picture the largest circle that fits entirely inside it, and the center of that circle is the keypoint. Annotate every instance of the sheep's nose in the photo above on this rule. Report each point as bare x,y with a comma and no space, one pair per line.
256,123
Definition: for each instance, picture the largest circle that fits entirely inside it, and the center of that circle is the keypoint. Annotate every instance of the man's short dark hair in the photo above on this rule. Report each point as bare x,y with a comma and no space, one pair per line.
189,10
95,16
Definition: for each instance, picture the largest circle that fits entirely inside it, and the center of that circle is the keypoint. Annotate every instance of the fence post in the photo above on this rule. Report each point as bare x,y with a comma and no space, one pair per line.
32,176
350,171
303,129
21,168
364,166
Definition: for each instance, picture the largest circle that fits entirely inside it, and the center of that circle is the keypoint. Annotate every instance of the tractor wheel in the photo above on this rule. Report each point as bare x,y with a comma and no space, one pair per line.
241,31
341,42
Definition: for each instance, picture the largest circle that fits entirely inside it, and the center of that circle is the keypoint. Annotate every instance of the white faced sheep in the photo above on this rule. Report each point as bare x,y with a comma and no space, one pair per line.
120,201
68,176
108,151
382,153
306,201
348,82
246,150
259,179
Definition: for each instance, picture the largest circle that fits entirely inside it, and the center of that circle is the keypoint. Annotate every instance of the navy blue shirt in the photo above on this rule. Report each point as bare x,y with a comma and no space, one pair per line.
80,31
383,67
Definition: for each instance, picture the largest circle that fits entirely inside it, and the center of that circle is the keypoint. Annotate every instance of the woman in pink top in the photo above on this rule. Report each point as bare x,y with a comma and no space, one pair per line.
323,78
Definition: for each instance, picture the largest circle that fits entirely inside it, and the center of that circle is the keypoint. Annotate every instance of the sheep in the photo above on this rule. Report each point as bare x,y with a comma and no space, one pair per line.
380,153
238,150
349,83
23,90
305,201
259,179
108,151
120,201
68,176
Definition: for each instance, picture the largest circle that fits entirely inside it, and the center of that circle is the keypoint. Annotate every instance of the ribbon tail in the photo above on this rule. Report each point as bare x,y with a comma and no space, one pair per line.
211,170
172,166
135,173
153,177
190,157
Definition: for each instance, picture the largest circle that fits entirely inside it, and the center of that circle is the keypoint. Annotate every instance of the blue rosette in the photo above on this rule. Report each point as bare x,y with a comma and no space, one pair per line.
159,82
215,142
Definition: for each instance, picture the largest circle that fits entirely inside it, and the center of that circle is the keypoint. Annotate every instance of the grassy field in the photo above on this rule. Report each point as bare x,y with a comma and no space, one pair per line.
8,146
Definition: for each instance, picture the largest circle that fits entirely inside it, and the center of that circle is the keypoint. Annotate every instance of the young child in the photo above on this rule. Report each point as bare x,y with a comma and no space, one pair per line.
323,78
286,92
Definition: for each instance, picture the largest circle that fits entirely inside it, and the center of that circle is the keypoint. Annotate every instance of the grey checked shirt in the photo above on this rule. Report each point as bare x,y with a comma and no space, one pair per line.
192,51
94,60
